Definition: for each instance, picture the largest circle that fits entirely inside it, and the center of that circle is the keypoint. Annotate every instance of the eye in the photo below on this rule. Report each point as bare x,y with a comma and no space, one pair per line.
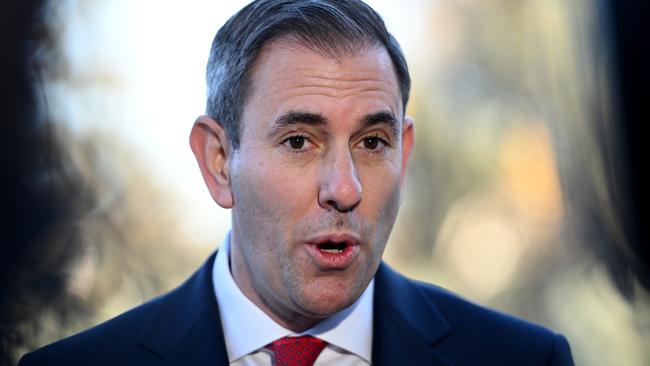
374,143
296,143
371,143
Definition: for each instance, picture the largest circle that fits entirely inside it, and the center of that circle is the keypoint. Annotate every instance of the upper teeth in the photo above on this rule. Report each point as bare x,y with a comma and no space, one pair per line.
334,250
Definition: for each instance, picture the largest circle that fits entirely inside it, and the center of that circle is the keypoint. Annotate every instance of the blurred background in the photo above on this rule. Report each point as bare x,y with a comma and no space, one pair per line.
523,193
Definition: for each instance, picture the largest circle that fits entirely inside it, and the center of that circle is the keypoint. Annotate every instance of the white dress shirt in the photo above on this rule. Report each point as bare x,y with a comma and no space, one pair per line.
247,329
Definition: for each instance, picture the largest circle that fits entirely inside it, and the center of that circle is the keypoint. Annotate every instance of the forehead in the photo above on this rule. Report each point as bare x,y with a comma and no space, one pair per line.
287,74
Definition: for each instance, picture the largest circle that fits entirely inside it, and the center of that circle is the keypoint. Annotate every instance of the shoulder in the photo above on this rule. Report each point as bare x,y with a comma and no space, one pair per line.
108,343
177,326
476,334
496,335
476,320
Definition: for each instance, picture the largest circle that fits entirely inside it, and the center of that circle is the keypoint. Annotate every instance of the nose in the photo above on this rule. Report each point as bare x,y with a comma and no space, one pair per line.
340,188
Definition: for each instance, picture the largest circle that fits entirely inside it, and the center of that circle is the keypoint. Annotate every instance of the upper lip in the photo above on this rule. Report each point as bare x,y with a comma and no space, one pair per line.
347,239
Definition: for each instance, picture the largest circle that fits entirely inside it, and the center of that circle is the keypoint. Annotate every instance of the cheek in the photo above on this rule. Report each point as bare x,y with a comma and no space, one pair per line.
382,198
382,191
268,197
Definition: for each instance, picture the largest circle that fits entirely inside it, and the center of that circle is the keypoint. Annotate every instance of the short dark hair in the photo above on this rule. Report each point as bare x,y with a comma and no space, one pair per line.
332,27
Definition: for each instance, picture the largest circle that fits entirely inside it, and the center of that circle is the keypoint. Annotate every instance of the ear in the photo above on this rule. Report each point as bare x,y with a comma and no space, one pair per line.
408,140
212,150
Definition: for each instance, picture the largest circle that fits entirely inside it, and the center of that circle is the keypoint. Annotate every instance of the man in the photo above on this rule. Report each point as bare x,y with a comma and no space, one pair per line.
306,140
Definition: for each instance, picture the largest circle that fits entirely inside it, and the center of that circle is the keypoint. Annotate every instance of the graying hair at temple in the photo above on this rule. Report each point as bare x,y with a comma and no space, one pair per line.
332,27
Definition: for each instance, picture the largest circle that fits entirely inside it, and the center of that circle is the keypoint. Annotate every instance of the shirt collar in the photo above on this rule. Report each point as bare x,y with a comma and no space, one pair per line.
247,328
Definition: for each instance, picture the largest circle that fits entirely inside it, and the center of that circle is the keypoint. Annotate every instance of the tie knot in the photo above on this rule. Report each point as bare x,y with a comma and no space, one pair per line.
296,351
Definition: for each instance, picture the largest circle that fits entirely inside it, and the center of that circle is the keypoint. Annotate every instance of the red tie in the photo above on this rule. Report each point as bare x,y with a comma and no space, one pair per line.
296,351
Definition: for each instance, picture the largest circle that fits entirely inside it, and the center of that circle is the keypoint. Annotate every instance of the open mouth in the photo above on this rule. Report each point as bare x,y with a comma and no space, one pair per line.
333,251
332,247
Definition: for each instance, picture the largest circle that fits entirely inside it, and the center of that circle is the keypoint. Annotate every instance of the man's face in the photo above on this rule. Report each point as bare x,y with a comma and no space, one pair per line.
317,178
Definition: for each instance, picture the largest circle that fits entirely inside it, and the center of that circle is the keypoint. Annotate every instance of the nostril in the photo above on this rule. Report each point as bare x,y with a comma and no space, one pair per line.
331,204
342,209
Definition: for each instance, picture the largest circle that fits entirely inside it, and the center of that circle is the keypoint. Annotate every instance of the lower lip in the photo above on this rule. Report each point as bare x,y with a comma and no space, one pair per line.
333,261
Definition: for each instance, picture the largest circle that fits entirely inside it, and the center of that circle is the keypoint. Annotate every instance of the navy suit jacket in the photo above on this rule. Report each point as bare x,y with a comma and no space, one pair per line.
414,324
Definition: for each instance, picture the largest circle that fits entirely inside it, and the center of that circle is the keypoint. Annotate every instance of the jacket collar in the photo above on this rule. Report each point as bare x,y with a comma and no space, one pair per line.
186,325
407,323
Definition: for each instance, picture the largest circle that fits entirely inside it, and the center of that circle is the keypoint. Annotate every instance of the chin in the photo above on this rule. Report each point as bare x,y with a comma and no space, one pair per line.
325,310
324,300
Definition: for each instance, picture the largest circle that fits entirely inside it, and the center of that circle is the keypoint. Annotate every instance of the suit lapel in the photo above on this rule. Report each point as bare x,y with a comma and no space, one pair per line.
185,328
406,323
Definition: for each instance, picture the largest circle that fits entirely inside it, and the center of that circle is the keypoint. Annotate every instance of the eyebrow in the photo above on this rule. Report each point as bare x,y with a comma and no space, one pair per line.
294,118
381,118
312,119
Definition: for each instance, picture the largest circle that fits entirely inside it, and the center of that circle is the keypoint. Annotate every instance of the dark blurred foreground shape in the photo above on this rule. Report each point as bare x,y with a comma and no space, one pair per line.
79,225
42,195
624,147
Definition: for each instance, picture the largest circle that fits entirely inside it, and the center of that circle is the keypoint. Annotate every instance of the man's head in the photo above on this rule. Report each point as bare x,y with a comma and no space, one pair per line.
307,142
